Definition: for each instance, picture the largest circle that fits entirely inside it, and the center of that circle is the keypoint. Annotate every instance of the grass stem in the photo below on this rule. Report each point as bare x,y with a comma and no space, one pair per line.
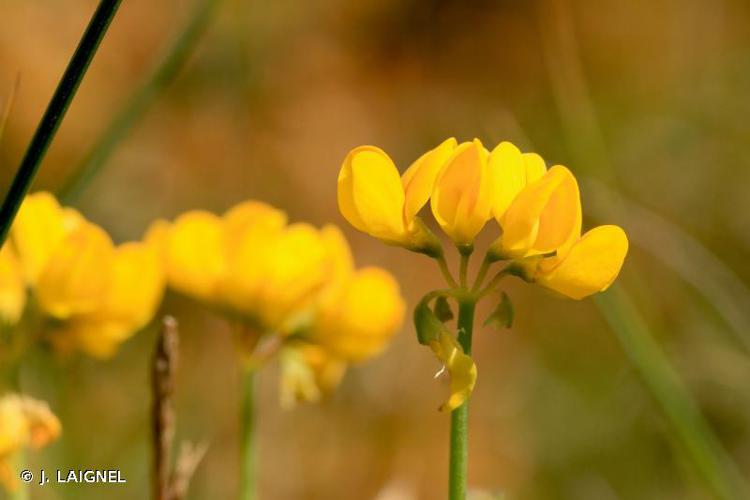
55,112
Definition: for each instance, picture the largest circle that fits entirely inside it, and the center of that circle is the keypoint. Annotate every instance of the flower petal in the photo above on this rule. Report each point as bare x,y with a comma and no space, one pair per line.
543,215
460,367
461,200
357,320
37,231
591,265
370,194
77,273
194,254
419,178
136,286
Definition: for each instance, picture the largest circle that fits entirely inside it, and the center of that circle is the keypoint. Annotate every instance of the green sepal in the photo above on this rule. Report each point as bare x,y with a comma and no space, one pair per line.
426,322
503,314
442,309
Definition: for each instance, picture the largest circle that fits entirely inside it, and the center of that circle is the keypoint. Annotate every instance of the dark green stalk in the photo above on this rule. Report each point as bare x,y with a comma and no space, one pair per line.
692,431
139,102
248,486
459,451
55,112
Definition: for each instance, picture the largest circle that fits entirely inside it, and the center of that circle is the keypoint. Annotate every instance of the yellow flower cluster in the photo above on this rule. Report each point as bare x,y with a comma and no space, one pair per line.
93,294
24,422
291,282
538,210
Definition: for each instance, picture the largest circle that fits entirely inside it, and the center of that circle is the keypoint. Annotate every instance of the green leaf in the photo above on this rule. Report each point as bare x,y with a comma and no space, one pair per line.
502,316
443,309
426,322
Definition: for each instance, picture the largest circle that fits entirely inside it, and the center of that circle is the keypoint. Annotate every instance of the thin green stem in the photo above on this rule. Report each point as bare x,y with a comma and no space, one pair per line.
164,74
446,272
55,112
694,434
248,426
493,283
464,270
486,263
459,439
22,488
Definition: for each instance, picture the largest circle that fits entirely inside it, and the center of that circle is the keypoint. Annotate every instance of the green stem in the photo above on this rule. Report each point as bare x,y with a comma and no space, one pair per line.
486,263
248,426
463,270
55,112
22,488
493,283
173,61
459,452
446,272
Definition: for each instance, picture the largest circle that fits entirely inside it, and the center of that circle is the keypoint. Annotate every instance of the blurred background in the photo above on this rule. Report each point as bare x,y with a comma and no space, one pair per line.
646,101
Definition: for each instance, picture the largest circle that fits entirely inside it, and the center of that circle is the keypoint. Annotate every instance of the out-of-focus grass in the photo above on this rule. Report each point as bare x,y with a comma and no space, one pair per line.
690,429
140,100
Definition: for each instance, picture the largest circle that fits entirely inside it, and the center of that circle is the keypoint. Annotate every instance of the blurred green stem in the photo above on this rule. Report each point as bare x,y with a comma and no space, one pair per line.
459,451
248,426
690,428
55,112
22,488
174,59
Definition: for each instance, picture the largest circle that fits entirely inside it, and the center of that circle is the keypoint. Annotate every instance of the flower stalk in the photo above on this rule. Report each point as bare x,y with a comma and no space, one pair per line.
248,425
459,438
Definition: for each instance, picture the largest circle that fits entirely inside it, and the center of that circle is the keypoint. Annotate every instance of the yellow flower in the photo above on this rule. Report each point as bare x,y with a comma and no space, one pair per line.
98,293
247,261
541,218
23,422
462,197
356,318
590,265
308,372
373,198
12,287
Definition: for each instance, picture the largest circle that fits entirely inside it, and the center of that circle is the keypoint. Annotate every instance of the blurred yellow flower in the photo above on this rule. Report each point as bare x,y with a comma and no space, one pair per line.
462,197
308,373
291,282
12,287
247,261
98,294
23,422
357,318
375,200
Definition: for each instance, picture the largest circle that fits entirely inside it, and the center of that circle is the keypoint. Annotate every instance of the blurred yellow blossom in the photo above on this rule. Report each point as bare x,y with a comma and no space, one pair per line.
308,373
12,287
23,422
291,283
98,294
357,318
